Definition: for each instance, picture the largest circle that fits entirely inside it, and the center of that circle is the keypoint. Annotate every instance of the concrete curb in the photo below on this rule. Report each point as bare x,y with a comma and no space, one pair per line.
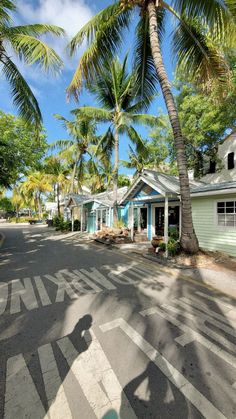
2,239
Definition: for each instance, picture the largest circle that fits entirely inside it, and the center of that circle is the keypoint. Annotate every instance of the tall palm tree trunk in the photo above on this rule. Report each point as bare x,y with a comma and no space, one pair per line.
188,239
73,177
115,175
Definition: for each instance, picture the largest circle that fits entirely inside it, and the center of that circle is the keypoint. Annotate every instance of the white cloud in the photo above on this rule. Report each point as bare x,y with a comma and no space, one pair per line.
69,14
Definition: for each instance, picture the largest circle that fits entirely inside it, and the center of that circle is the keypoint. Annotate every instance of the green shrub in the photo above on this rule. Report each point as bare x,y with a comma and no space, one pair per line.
56,222
65,226
173,247
173,233
162,246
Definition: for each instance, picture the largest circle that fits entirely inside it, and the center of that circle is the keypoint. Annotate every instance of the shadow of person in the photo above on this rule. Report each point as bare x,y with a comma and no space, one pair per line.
151,395
81,337
66,351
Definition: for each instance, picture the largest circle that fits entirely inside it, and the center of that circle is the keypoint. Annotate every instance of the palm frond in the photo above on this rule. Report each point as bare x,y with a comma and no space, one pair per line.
198,55
141,145
143,62
6,6
23,97
32,30
102,115
104,36
34,51
61,144
143,119
214,13
106,145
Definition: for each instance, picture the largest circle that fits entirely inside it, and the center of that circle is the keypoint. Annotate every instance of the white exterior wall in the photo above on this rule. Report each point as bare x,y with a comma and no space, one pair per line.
224,175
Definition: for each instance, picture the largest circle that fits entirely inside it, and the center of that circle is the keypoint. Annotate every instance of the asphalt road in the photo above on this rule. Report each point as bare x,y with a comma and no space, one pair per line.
86,332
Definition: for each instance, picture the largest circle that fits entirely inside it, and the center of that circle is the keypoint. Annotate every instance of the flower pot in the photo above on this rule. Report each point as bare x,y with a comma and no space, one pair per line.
156,241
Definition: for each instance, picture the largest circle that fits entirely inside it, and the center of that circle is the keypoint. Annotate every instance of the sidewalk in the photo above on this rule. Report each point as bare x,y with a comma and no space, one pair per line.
222,280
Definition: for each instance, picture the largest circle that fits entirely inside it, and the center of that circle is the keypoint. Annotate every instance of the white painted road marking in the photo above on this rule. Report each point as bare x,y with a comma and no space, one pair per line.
54,388
3,296
194,302
45,300
22,293
190,335
92,368
21,397
218,301
205,407
198,322
63,287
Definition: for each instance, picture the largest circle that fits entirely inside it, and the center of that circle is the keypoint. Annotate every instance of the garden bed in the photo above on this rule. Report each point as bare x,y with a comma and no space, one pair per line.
113,236
217,261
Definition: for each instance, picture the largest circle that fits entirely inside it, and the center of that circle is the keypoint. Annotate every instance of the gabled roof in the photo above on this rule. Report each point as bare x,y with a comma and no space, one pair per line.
104,198
162,183
77,199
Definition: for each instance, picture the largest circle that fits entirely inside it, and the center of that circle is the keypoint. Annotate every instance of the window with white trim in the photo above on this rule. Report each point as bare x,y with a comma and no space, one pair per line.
226,214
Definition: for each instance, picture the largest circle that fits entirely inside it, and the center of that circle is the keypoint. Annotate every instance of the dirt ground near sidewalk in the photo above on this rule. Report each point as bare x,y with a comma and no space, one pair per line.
216,261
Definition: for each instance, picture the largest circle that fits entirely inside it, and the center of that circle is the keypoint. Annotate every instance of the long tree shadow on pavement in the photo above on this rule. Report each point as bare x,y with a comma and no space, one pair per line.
209,372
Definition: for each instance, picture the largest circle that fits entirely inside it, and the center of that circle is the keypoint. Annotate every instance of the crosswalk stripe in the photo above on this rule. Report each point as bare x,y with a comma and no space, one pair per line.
21,397
205,407
92,368
54,388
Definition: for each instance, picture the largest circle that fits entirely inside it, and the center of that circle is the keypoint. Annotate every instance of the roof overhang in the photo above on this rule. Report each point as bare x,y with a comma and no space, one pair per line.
214,193
136,187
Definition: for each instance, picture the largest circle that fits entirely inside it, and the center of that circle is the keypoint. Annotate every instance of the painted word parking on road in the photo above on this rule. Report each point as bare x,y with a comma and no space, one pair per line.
31,293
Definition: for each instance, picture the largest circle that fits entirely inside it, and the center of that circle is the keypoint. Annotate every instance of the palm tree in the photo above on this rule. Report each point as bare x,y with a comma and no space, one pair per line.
116,90
26,45
34,186
18,200
202,28
58,176
74,150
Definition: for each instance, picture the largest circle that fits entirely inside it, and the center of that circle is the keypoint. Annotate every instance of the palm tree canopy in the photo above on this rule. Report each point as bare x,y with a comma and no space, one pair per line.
37,183
25,42
201,30
74,150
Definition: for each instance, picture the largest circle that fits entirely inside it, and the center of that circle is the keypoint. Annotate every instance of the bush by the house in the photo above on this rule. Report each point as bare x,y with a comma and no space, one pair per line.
173,247
61,225
162,246
173,233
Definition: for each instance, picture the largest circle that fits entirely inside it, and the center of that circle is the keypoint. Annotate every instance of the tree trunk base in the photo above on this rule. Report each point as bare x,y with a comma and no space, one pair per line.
189,243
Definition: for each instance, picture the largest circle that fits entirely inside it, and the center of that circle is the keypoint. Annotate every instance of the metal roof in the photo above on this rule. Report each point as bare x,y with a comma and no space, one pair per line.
161,182
104,198
214,187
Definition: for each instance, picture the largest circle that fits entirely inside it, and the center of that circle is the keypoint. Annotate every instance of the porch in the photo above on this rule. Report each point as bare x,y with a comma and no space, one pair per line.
153,206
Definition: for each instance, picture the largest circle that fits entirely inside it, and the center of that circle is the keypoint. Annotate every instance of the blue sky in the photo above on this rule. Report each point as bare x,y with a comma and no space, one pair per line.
51,91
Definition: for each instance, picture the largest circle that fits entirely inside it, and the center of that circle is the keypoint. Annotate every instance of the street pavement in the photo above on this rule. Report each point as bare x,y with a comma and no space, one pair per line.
88,332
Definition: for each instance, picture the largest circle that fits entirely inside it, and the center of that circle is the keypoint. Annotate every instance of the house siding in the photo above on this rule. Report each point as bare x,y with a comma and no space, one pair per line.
210,235
223,174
